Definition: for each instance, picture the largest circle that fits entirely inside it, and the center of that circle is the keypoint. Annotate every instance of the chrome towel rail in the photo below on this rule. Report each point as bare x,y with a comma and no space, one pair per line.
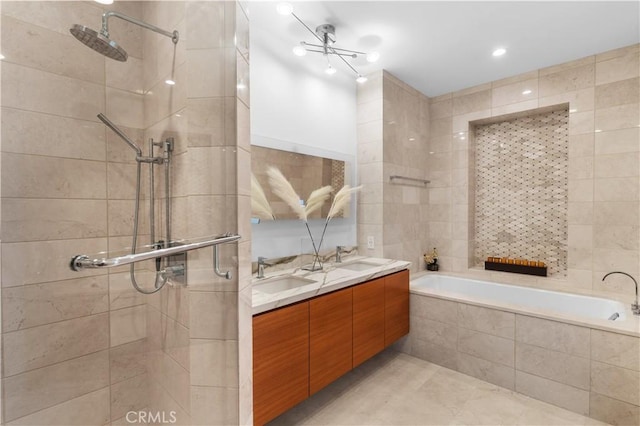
396,177
82,261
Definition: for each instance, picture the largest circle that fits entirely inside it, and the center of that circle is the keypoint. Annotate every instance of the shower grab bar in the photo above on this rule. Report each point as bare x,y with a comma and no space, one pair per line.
82,261
216,265
394,177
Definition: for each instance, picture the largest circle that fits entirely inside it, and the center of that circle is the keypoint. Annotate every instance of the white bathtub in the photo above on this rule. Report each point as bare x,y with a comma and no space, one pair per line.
570,307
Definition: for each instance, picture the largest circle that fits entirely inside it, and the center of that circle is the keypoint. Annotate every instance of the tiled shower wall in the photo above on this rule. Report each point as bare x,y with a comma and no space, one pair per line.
85,347
73,342
393,128
604,170
196,362
521,170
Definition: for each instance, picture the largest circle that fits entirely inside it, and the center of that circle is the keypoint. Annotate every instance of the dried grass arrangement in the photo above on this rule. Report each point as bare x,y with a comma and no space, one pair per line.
340,201
284,190
260,206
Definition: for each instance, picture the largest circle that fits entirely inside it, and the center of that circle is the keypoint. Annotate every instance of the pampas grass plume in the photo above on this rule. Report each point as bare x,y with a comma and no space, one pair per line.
259,204
283,189
341,199
317,199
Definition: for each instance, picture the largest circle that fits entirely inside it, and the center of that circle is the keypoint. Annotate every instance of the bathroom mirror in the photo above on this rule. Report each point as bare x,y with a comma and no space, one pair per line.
306,168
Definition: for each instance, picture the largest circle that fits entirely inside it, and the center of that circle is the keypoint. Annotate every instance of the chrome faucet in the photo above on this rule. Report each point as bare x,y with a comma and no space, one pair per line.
339,254
635,307
261,265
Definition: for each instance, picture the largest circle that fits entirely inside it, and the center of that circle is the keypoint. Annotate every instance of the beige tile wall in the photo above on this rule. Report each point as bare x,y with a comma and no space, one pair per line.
63,331
604,169
393,120
370,163
85,348
195,332
588,371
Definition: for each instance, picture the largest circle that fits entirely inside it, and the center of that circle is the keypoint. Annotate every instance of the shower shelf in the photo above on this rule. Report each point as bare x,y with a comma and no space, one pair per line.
410,179
82,261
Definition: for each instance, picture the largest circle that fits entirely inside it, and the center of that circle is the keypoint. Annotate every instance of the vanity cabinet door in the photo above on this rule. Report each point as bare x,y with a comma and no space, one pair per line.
331,338
280,361
396,306
368,320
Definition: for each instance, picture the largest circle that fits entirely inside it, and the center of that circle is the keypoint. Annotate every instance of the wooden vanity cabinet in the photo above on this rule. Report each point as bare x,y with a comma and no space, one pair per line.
330,338
396,306
368,320
281,361
301,348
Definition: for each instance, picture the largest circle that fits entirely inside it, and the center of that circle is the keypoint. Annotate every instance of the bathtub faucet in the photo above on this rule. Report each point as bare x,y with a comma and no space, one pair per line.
635,307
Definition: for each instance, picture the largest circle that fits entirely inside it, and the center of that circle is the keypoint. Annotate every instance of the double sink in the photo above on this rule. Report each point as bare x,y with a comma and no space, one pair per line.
289,282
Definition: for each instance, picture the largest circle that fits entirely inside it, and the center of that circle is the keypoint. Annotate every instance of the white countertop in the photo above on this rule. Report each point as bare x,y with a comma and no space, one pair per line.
331,278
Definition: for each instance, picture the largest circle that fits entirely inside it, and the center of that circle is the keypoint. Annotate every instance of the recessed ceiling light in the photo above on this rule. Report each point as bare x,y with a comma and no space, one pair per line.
573,110
170,82
526,92
104,1
412,139
499,52
1,56
284,8
361,79
598,130
430,152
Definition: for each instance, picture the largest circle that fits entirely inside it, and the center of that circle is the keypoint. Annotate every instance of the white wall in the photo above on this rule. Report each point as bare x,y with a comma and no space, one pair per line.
292,100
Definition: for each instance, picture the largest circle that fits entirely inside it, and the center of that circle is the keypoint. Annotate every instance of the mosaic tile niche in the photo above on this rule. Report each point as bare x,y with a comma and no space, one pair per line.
521,181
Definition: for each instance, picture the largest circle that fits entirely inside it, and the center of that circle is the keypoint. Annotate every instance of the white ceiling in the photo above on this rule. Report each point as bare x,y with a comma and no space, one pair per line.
443,46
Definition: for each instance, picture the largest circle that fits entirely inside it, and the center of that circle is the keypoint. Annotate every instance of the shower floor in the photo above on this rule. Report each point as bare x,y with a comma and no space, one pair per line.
397,389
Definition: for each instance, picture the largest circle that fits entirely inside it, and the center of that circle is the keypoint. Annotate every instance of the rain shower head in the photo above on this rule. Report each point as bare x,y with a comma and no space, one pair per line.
100,41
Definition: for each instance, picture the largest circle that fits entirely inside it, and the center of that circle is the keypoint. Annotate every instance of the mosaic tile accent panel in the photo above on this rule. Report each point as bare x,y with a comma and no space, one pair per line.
521,201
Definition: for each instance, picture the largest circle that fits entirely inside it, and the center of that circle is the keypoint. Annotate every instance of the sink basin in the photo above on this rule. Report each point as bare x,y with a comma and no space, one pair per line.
276,285
358,266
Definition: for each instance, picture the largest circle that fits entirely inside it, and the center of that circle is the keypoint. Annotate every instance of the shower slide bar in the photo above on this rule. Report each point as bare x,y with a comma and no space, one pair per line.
82,261
396,177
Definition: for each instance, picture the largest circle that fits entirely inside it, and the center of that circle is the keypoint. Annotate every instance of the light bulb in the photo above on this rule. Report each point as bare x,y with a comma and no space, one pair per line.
170,82
299,51
361,79
330,70
284,8
499,52
373,56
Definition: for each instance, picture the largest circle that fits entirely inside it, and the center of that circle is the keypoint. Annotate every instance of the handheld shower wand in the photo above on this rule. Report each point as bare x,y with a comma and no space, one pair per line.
139,160
120,133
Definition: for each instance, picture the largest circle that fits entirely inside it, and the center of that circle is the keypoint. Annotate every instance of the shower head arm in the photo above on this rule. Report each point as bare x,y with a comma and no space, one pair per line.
174,36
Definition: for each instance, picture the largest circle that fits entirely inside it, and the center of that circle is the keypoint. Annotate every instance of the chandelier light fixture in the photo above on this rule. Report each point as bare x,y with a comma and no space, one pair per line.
325,35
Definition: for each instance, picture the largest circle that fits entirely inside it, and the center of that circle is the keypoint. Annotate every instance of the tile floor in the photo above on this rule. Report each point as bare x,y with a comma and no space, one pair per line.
397,389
